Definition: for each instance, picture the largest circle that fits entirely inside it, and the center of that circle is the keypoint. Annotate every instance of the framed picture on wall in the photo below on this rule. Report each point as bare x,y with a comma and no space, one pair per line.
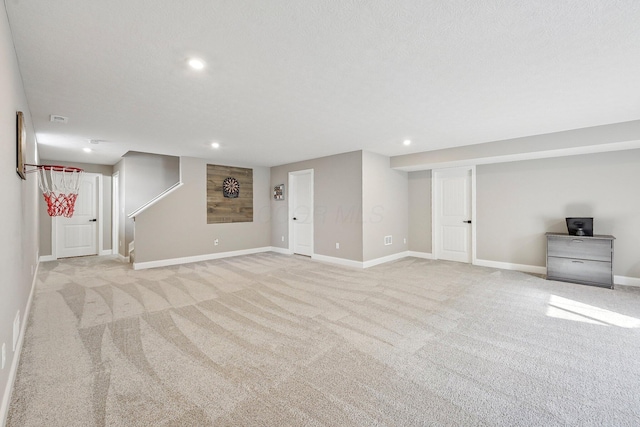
21,144
278,192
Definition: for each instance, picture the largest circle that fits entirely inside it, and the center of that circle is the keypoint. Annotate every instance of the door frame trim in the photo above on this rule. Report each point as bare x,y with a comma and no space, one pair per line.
435,204
115,213
99,230
290,209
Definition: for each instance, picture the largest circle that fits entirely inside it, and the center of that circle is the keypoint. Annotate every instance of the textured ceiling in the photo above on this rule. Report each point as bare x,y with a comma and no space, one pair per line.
298,79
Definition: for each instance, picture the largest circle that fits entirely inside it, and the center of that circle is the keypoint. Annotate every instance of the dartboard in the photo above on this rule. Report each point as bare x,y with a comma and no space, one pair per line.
230,188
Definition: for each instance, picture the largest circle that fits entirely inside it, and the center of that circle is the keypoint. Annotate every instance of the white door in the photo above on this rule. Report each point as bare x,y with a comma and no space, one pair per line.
301,212
77,236
452,214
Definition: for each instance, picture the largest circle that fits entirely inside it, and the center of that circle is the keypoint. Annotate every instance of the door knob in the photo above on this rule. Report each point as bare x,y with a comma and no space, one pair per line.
467,222
93,220
295,219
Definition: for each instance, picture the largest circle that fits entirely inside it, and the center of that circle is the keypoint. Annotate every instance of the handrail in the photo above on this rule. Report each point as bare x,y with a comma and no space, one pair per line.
155,199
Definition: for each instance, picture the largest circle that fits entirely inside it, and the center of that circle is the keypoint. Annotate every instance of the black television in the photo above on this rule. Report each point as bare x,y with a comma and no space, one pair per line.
580,226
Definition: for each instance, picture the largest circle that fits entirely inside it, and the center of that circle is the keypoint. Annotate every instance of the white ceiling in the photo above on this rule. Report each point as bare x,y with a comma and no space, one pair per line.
288,80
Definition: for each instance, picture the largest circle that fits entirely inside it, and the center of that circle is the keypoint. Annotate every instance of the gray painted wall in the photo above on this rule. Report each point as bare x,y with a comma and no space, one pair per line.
148,175
518,202
45,220
176,226
19,215
420,211
337,200
385,200
143,176
612,134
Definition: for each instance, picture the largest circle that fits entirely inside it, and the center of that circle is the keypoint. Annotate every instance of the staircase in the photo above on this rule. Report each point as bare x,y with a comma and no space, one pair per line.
131,252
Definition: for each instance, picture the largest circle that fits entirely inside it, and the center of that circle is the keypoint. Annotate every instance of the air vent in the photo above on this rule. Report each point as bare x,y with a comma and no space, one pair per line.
58,119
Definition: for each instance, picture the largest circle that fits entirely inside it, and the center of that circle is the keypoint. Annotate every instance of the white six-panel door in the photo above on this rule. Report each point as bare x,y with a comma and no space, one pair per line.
453,214
78,235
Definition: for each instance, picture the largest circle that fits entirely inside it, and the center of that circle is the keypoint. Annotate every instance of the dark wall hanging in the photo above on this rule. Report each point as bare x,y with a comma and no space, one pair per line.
229,194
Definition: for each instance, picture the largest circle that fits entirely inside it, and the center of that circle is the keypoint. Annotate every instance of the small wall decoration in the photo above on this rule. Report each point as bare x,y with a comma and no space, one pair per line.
278,192
21,144
229,194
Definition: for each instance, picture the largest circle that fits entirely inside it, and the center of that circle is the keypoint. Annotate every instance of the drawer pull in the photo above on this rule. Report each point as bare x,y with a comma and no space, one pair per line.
577,241
577,262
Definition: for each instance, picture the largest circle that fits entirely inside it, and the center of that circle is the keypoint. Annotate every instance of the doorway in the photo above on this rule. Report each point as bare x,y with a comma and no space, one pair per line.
454,214
301,212
115,213
79,235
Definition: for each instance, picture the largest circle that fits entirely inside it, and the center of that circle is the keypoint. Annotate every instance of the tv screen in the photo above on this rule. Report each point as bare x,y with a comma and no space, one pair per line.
580,226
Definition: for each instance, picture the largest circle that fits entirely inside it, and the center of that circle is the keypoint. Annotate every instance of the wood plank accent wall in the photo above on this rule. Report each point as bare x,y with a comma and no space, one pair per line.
221,209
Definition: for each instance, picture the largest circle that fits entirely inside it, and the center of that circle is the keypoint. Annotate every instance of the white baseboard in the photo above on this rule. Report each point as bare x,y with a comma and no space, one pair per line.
47,258
197,258
338,261
382,260
283,251
617,280
626,281
511,266
366,264
123,258
358,264
6,398
342,261
423,255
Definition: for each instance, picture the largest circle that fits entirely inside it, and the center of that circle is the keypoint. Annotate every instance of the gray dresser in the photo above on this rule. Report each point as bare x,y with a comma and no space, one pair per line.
580,259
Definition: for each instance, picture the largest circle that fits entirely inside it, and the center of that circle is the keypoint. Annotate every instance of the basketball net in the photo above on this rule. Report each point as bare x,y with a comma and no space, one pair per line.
60,186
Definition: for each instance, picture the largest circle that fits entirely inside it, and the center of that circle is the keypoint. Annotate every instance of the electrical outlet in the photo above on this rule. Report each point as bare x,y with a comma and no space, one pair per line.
4,354
405,240
283,238
216,242
16,330
388,240
337,245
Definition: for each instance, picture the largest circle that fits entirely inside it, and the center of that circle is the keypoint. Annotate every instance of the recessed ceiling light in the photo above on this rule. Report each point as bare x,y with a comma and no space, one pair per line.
196,64
215,145
86,149
407,142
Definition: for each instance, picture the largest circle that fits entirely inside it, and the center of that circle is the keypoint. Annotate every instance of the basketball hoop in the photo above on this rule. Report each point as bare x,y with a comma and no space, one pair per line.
59,185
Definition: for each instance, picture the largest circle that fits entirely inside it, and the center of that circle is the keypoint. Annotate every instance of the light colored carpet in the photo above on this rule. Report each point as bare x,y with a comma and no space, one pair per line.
274,340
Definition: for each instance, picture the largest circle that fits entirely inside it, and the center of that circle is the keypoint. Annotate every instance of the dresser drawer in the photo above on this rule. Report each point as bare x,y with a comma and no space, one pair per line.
581,271
575,247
